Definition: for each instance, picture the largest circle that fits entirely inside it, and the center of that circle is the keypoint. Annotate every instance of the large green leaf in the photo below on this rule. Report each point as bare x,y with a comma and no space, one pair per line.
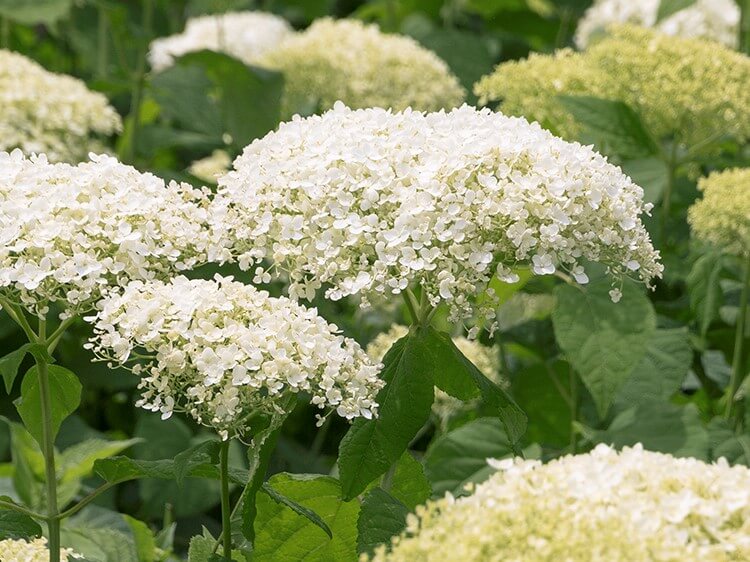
705,290
409,483
603,340
78,460
371,446
612,125
299,509
15,525
460,457
661,371
32,12
281,535
101,535
382,516
735,447
65,396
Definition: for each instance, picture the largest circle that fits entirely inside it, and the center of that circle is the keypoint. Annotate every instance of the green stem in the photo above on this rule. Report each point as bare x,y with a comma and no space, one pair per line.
739,343
17,315
226,508
55,337
102,55
20,509
136,99
91,497
48,449
411,306
666,200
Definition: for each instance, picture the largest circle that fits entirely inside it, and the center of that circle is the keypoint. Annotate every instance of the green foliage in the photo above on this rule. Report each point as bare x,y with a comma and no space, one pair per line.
15,525
382,516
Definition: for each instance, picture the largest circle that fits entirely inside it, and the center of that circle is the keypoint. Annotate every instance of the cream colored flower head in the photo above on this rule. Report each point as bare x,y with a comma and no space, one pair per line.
445,407
67,233
372,202
34,550
210,168
354,62
246,36
662,78
606,505
722,217
51,113
717,20
221,351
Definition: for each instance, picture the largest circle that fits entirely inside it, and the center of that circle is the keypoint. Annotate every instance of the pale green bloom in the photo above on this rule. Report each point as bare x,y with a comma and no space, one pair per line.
693,90
445,406
722,217
356,63
604,506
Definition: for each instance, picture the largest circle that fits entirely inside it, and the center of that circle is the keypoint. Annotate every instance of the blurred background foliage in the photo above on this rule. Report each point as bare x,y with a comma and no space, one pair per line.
672,347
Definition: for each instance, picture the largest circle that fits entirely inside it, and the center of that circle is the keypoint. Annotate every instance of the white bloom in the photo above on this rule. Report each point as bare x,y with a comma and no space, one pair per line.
602,506
68,232
718,20
372,202
52,113
243,35
210,168
221,350
34,550
357,63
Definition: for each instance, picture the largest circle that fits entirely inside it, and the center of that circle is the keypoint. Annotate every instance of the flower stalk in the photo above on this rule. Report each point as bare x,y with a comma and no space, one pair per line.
226,509
738,374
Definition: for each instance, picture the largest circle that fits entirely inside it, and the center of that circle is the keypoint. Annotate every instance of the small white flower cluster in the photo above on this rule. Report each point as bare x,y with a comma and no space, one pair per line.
717,20
602,506
243,35
358,64
68,232
445,406
51,113
372,202
210,168
222,350
30,551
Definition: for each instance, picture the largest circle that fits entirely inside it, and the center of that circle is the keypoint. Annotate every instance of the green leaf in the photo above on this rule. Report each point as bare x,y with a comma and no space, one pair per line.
28,463
409,483
460,457
381,517
661,371
15,525
603,340
10,363
651,174
78,460
144,540
669,7
728,444
283,536
612,125
32,12
199,455
122,469
65,396
101,535
704,289
309,514
201,549
661,427
371,446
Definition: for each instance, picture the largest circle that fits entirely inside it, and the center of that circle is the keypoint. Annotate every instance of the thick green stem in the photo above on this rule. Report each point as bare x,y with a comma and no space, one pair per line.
226,509
739,343
48,450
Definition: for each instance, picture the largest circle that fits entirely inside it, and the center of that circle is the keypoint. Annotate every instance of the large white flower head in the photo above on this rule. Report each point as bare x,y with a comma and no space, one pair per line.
372,202
51,113
221,350
445,406
30,551
243,35
717,20
603,506
68,232
354,62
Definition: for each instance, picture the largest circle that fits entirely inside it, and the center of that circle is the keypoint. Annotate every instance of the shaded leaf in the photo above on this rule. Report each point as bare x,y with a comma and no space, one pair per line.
381,517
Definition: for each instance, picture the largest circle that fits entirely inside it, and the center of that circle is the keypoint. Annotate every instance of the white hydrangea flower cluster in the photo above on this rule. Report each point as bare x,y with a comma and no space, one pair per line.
372,202
244,35
600,506
210,168
222,350
717,20
68,232
445,406
30,551
55,114
357,63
